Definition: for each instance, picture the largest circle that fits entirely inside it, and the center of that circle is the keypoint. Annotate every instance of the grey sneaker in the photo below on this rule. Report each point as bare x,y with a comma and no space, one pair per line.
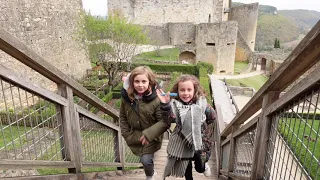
207,171
153,176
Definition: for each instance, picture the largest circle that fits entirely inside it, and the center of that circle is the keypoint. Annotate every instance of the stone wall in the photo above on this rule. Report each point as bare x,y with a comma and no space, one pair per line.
46,27
216,44
243,51
247,17
158,12
182,33
157,35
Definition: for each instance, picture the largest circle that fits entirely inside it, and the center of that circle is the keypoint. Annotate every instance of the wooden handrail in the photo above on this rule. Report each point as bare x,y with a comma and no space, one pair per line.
304,56
21,52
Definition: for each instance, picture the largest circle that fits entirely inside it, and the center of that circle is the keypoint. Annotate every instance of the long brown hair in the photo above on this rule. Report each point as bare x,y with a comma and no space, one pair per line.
138,71
198,90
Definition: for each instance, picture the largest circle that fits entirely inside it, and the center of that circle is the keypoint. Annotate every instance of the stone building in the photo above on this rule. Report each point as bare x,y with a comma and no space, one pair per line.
204,30
46,27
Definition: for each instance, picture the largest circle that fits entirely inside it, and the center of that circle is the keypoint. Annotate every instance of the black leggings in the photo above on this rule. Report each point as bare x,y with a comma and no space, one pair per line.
198,165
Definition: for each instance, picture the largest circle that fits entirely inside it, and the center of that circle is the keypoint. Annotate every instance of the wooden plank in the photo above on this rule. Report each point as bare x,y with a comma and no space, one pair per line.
72,119
21,52
236,176
75,129
49,177
101,164
246,126
226,141
294,93
28,85
224,172
96,118
304,56
23,164
66,126
133,164
262,136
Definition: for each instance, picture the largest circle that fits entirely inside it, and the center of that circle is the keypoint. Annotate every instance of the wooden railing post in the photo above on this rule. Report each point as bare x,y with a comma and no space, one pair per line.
71,126
118,147
232,150
262,136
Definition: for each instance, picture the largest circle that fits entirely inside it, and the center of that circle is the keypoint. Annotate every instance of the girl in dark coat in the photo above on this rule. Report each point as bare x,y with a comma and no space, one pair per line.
140,117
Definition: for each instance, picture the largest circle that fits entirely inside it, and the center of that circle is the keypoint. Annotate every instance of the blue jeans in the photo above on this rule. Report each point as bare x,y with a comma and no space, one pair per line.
147,162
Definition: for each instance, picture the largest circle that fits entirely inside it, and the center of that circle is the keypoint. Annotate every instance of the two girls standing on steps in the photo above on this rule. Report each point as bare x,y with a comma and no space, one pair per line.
190,140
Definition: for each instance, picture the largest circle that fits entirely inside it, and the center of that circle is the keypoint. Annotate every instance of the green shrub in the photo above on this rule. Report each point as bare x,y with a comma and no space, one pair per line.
174,77
184,69
107,97
204,82
118,87
206,65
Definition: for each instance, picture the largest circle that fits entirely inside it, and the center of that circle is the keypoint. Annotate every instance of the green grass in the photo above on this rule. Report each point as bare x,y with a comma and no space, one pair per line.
255,81
171,54
239,67
9,135
307,136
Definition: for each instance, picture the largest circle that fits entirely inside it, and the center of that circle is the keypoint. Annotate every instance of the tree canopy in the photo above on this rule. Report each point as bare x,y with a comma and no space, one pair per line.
110,42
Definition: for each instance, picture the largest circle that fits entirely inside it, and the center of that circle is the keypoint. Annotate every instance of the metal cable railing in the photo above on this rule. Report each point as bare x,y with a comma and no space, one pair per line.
294,150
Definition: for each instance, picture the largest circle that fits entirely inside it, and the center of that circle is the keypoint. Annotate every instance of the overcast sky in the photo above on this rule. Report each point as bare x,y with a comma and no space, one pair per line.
99,7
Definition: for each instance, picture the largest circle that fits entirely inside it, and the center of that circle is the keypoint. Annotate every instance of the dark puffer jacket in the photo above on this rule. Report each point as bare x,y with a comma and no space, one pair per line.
142,117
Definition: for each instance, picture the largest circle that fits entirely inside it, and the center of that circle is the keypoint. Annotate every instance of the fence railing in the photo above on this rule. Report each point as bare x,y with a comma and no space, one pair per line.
282,142
45,129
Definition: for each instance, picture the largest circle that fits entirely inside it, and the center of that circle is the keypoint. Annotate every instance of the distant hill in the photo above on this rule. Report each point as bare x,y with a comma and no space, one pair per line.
286,25
305,19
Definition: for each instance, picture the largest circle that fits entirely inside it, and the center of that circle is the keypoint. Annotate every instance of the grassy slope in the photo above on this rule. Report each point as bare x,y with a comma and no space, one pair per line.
256,82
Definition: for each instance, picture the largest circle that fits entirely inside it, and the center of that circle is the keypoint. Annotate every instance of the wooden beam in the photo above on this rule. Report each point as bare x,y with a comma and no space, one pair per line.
96,118
226,141
23,83
303,87
304,56
101,164
21,52
247,126
236,176
262,136
22,164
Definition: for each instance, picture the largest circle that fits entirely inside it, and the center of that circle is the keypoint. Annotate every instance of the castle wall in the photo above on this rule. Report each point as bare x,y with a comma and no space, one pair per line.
247,17
182,33
47,27
125,7
243,51
158,12
157,35
216,44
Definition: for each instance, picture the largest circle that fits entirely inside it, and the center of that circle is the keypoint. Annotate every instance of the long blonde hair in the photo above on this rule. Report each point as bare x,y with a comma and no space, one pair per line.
198,90
138,71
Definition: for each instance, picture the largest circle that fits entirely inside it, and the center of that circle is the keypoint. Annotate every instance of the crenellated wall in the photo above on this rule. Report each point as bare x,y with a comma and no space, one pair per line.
158,12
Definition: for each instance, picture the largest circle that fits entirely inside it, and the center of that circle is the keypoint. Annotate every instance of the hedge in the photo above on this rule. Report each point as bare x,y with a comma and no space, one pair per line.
184,69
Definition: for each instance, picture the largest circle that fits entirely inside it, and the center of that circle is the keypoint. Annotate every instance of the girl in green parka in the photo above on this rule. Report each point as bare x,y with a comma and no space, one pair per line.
140,117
